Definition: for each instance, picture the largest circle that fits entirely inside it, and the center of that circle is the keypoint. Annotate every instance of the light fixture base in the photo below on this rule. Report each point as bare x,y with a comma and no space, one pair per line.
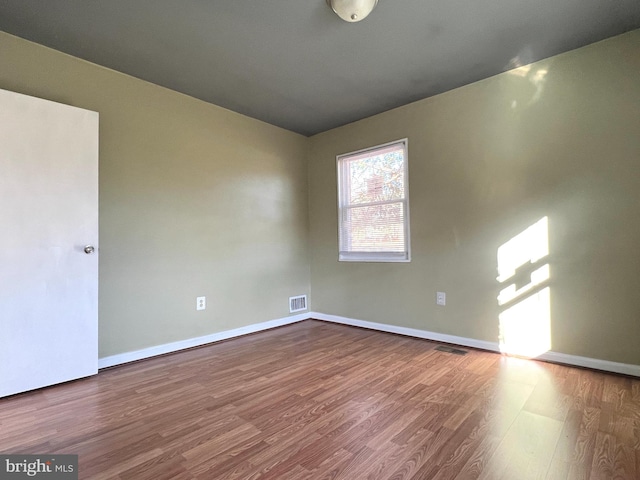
352,10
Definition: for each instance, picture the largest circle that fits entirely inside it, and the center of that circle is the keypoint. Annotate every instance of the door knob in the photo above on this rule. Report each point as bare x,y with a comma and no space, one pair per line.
89,249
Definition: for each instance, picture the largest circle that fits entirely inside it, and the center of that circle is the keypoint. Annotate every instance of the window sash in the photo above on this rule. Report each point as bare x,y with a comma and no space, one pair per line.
367,247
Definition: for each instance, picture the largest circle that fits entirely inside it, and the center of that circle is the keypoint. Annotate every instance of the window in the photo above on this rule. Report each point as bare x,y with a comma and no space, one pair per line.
373,204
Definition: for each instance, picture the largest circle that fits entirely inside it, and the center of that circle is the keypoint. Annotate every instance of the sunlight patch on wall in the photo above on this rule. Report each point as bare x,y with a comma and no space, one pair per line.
535,75
525,298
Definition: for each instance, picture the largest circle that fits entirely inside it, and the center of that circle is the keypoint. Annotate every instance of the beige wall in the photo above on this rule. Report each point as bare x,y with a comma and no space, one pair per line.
559,139
194,200
485,161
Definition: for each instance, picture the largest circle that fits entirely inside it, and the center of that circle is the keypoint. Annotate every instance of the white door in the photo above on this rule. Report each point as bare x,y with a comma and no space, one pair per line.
48,214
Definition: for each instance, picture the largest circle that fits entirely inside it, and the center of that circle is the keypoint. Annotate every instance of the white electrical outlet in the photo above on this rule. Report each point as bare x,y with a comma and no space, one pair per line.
201,303
441,298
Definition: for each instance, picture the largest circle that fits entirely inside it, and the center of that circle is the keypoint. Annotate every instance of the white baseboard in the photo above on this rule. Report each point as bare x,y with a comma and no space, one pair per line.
196,342
410,332
574,360
594,363
605,365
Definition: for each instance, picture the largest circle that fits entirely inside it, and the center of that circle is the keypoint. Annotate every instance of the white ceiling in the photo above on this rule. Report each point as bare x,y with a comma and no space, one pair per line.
295,64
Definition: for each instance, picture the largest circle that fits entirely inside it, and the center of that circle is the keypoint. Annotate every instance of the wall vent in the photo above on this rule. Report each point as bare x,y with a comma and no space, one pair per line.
297,304
455,351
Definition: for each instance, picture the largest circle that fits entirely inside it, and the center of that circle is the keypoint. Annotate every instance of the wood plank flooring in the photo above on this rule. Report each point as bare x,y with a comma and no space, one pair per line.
316,400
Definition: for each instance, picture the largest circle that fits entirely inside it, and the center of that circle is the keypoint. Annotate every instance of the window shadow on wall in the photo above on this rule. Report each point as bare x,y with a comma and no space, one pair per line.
525,296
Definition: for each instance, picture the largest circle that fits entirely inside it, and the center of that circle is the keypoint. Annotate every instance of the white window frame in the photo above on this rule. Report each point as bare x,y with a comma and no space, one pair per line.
343,205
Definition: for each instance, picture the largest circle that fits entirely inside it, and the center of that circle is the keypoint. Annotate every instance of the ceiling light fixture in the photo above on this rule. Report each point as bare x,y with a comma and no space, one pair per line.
352,10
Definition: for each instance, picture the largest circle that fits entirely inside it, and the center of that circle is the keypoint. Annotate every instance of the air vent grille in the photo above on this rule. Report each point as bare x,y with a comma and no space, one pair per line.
455,351
297,304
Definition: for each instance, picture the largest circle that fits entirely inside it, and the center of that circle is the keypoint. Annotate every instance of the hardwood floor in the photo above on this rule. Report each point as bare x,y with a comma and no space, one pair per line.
316,400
